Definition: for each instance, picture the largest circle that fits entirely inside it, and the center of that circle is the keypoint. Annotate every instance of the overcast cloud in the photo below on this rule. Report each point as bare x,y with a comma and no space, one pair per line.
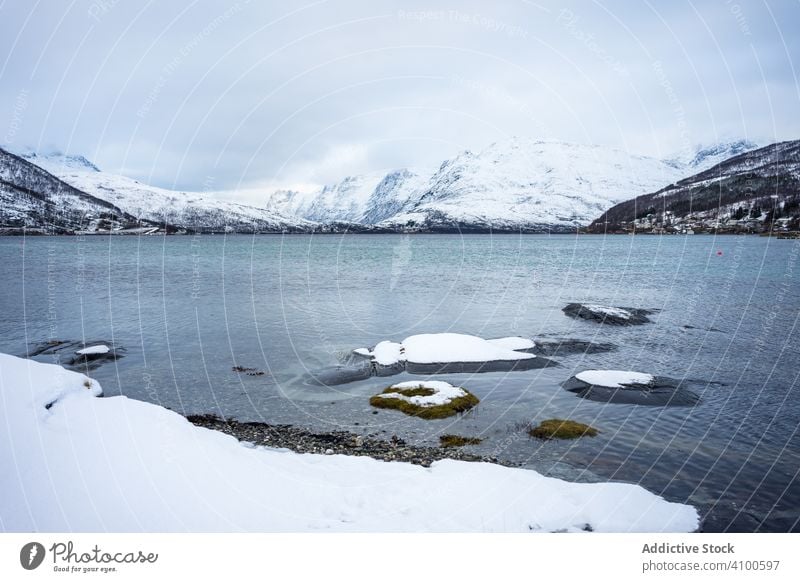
261,95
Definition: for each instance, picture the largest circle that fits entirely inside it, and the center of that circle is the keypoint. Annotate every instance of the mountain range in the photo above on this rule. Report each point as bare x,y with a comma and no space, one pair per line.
191,211
519,185
516,185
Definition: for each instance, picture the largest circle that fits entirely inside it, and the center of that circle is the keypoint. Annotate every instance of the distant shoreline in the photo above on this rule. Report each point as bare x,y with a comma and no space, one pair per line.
9,233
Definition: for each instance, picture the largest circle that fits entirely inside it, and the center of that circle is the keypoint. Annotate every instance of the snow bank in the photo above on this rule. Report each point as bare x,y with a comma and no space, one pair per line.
443,393
116,464
445,348
614,378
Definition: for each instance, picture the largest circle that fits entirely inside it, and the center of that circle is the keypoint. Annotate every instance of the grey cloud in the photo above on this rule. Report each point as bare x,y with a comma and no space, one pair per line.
267,94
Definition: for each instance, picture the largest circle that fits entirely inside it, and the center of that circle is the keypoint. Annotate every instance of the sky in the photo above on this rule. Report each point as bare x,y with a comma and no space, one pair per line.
255,96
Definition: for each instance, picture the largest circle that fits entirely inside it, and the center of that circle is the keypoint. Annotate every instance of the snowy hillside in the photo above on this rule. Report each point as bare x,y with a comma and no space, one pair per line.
531,185
189,210
343,201
365,199
56,162
517,184
34,199
756,191
706,156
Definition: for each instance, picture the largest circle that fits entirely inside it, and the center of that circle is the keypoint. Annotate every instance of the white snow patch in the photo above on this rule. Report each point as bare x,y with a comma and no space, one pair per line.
513,343
438,348
91,464
388,353
444,348
93,350
614,378
443,393
605,310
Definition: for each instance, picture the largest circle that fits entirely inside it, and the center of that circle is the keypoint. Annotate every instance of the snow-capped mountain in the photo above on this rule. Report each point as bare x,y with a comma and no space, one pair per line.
531,185
195,211
516,184
56,161
397,190
343,201
707,156
755,190
365,199
33,199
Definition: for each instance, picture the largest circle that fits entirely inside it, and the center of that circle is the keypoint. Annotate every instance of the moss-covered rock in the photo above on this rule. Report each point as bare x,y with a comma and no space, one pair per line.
428,400
558,428
453,440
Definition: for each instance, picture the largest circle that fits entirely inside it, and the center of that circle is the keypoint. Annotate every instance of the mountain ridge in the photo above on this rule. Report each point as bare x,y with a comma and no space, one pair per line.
34,200
514,185
755,191
519,184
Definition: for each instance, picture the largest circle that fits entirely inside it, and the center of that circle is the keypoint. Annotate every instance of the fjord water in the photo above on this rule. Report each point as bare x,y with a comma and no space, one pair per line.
189,308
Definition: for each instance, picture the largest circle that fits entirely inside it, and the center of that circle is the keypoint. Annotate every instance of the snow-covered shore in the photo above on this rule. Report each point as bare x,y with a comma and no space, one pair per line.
70,461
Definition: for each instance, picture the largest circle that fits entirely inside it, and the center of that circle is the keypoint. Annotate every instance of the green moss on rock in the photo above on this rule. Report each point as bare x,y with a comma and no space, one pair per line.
452,407
453,440
558,428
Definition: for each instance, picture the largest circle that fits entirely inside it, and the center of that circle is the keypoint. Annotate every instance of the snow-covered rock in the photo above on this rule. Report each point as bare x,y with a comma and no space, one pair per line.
442,393
70,461
444,348
514,343
94,350
627,387
435,353
608,314
615,378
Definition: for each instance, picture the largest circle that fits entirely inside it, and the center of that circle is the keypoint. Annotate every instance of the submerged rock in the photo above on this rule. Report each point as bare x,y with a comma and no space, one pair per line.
479,367
569,346
337,375
609,315
625,387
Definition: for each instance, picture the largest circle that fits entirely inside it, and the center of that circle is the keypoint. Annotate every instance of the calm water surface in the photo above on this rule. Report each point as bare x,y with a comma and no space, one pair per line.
187,309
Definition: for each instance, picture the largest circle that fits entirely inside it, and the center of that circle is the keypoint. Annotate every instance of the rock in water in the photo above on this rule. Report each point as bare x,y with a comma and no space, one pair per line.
622,387
607,314
570,346
75,354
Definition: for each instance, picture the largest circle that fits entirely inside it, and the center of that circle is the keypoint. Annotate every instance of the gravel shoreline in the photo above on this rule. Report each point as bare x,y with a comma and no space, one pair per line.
301,440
